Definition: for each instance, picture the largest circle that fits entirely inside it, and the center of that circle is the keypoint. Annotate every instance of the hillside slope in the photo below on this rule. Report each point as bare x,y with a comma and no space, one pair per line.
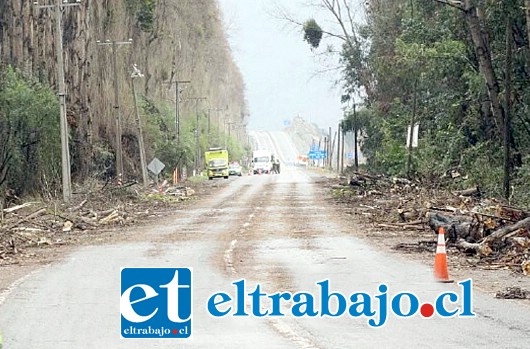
171,40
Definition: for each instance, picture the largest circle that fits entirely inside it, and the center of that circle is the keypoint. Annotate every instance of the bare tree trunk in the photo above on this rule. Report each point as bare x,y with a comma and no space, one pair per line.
351,39
527,11
507,118
474,18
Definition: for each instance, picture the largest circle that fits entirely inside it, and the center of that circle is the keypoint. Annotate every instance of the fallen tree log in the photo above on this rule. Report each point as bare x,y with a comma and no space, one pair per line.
495,240
457,227
467,192
499,234
512,213
29,217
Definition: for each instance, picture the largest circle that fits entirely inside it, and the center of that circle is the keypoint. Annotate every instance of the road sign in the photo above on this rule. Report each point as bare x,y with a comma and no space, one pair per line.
414,136
156,166
317,155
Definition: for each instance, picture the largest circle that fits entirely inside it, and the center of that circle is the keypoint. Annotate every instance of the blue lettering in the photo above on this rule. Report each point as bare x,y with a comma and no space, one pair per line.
440,305
413,301
212,304
326,296
276,302
256,304
365,305
467,301
240,297
308,304
383,298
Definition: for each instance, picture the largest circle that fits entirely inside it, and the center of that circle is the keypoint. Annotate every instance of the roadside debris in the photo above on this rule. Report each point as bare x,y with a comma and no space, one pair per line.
497,235
513,293
37,223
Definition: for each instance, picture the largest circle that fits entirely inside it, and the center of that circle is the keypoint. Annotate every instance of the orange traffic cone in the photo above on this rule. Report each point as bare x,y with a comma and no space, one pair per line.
440,261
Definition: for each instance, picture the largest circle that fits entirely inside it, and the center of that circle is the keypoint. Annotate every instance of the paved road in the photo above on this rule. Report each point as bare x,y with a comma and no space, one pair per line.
279,143
272,229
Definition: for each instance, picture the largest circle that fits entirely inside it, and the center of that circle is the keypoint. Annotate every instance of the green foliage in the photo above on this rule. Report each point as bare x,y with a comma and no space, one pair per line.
144,12
411,48
312,33
30,153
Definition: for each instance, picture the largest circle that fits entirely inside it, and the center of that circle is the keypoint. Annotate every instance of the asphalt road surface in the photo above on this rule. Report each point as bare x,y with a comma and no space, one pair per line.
275,230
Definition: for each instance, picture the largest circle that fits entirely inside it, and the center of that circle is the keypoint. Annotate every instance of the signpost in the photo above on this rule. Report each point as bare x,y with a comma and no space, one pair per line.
156,166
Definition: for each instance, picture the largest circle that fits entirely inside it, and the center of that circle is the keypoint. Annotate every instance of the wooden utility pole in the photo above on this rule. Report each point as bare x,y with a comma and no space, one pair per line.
177,107
197,131
119,150
210,122
338,147
342,151
329,150
65,148
356,155
332,149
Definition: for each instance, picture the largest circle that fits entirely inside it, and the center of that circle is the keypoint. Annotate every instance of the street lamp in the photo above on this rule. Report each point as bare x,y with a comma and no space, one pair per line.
136,74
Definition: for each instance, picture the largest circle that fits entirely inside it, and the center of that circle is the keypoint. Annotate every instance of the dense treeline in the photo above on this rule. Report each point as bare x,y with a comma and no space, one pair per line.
460,69
30,149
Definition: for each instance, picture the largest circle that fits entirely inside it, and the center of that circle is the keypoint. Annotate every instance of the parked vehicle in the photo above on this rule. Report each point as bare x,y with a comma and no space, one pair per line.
216,163
234,169
262,161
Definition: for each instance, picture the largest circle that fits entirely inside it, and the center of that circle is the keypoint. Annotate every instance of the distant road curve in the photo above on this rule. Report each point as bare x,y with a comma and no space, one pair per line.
279,142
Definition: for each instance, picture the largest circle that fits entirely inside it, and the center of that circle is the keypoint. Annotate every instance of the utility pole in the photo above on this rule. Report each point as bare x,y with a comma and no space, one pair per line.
330,150
65,148
177,120
143,163
209,122
177,109
119,151
356,154
197,130
219,121
339,131
342,151
228,122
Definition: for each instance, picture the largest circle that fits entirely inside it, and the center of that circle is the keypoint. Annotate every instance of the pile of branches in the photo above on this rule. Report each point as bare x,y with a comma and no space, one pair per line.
500,239
498,234
32,224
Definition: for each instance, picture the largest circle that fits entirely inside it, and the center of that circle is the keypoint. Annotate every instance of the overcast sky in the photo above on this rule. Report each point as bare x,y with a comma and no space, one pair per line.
278,68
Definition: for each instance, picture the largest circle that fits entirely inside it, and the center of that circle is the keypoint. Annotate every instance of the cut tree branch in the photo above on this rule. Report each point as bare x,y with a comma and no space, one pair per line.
452,3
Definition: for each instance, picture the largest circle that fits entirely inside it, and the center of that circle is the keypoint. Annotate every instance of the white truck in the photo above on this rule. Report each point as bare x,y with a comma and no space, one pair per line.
262,161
